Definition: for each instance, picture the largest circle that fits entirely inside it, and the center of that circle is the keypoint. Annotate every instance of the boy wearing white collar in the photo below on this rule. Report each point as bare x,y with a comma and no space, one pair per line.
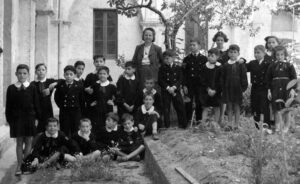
103,98
147,117
234,82
128,90
69,98
22,111
79,66
85,141
131,143
149,88
51,147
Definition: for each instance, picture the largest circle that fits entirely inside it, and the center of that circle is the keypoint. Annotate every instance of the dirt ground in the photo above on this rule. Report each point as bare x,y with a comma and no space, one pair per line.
215,156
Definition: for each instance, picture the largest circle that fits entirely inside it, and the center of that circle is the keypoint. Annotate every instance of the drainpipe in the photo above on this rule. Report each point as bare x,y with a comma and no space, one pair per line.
58,40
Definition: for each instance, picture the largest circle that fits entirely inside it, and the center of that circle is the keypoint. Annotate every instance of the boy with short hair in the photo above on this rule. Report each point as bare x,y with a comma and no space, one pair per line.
149,88
79,66
69,98
131,143
128,91
170,79
52,146
192,64
90,80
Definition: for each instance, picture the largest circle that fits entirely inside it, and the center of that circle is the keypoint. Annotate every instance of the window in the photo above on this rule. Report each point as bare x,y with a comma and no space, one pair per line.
106,33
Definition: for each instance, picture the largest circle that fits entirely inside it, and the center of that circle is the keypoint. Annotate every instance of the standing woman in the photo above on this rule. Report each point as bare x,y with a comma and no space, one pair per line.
271,43
220,38
147,57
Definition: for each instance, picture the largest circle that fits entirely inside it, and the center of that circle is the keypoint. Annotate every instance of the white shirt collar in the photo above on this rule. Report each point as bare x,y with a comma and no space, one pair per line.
18,84
144,110
210,66
103,84
43,80
129,78
53,136
269,53
153,91
84,135
231,61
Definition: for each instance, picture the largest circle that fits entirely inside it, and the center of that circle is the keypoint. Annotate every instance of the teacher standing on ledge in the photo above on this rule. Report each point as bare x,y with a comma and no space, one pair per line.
147,57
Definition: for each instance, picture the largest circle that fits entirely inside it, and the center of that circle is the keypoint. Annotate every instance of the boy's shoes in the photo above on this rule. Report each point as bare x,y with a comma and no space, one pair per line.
155,137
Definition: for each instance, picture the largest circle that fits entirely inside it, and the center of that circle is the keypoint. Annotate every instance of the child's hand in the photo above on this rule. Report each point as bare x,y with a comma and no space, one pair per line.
185,90
156,113
135,129
269,95
130,108
52,86
241,60
46,92
110,102
93,103
89,90
292,93
141,127
35,162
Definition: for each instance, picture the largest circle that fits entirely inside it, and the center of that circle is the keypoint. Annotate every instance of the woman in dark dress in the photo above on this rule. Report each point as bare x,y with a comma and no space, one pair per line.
22,110
220,38
44,88
147,57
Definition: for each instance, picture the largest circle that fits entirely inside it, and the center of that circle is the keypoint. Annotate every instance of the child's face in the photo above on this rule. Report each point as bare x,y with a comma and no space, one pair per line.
103,75
128,124
110,123
69,76
52,128
233,54
280,56
129,70
212,58
220,42
149,84
99,62
271,43
148,101
259,54
169,60
194,46
22,75
148,36
85,127
41,72
79,70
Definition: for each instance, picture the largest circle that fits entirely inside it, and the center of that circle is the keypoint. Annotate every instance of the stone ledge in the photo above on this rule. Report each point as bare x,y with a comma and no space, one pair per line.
161,173
5,140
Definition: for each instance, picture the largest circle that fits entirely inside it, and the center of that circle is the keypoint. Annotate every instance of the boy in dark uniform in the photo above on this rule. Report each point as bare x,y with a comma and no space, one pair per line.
69,99
170,79
90,80
128,90
258,70
192,65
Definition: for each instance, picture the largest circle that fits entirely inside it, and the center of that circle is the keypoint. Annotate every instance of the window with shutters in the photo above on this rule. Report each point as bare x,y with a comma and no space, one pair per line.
106,33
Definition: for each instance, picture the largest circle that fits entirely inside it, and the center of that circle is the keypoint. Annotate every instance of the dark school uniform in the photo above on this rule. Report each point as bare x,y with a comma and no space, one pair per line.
89,110
192,65
234,82
45,102
108,138
211,78
22,109
128,91
279,74
46,146
83,145
130,141
259,91
102,93
69,99
144,117
169,76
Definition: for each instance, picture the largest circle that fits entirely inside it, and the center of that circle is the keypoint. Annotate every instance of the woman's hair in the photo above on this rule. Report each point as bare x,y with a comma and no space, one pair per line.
149,29
268,37
280,48
22,66
39,65
220,34
105,68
